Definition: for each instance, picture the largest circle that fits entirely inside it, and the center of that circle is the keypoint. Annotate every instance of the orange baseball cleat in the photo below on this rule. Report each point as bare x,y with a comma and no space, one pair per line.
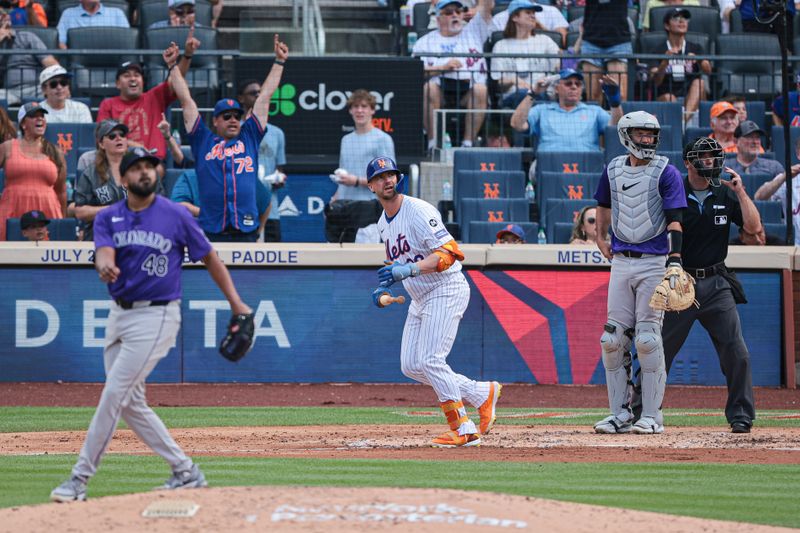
487,410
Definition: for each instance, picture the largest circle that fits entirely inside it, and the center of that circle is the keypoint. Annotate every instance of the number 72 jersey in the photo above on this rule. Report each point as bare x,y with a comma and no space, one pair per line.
149,247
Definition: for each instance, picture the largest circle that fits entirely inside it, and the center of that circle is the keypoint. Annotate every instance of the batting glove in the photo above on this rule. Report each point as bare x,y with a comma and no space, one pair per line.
613,96
377,293
397,272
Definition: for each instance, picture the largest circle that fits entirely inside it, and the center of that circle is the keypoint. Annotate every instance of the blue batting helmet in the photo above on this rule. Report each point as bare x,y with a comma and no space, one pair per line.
379,165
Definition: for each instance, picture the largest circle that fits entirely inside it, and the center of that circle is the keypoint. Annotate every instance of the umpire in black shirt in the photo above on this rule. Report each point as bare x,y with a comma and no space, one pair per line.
712,205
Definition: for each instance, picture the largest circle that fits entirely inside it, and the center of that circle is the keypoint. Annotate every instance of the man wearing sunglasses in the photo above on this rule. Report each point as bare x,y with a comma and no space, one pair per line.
227,157
58,102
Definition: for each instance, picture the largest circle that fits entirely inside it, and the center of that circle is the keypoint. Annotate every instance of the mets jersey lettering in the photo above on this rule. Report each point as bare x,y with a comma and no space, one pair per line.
414,233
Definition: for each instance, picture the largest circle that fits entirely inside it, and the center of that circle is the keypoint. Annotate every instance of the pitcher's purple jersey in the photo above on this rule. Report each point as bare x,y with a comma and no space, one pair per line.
226,176
149,247
670,186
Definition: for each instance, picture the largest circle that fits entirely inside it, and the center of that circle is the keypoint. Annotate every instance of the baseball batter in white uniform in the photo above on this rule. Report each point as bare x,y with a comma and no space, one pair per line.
421,253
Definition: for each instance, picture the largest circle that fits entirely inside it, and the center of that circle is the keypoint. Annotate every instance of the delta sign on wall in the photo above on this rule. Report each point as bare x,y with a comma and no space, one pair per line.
319,325
310,105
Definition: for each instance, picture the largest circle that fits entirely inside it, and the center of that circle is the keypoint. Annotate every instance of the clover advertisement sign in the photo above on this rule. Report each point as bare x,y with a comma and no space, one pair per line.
310,105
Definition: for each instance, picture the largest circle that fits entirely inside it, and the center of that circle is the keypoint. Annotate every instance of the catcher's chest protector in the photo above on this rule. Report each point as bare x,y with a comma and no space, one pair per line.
637,213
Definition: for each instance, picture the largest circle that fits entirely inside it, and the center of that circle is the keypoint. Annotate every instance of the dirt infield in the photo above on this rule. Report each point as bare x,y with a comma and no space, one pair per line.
506,443
370,395
326,509
343,509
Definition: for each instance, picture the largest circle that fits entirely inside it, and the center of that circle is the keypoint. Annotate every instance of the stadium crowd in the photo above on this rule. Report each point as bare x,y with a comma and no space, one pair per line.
564,72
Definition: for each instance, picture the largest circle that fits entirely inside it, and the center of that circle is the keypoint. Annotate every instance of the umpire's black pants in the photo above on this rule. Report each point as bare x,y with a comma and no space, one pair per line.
718,315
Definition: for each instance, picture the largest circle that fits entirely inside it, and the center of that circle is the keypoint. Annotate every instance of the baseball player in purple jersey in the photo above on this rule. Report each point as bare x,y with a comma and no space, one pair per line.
641,196
227,158
140,244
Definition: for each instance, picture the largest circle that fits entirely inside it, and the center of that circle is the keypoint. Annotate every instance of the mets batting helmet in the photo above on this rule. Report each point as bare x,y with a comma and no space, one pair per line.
381,165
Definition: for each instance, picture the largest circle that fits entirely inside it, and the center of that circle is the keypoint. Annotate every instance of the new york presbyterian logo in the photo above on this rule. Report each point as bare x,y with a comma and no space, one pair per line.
282,101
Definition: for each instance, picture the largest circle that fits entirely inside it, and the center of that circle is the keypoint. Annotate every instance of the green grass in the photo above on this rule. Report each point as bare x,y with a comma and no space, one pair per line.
749,493
20,419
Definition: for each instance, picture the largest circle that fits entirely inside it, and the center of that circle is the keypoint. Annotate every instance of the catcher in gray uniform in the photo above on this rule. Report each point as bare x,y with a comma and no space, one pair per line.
641,196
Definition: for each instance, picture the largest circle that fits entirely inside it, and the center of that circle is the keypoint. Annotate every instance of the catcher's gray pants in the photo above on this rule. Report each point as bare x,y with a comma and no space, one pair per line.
632,283
136,340
718,315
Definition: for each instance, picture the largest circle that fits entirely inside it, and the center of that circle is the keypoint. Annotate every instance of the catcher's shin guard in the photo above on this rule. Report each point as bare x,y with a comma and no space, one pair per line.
654,374
616,343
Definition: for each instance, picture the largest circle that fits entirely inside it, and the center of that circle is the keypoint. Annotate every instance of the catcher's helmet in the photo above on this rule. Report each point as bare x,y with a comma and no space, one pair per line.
380,165
639,120
699,151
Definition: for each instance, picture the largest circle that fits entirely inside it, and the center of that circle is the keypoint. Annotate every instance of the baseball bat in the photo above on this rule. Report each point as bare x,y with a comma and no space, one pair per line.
385,300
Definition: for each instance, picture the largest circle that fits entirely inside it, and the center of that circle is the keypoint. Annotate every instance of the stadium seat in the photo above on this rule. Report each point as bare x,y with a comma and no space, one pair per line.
704,19
4,104
494,210
60,229
652,42
579,186
756,111
756,80
562,231
775,229
151,11
486,232
49,36
771,212
70,138
170,178
778,146
667,113
202,77
693,133
614,148
95,74
569,162
421,17
676,159
499,184
486,160
753,181
561,210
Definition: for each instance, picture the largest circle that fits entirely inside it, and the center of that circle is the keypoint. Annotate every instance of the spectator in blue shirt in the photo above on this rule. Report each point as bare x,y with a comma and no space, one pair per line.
750,18
88,14
186,192
569,124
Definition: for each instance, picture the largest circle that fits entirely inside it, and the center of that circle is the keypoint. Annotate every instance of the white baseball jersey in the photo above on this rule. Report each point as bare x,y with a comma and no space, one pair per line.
468,41
413,234
438,302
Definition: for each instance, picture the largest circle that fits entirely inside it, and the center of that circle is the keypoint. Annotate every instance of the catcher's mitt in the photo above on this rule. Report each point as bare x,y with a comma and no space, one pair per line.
675,292
239,338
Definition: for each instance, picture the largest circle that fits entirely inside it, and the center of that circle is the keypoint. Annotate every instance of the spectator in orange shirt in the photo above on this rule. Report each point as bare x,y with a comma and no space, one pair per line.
27,13
724,119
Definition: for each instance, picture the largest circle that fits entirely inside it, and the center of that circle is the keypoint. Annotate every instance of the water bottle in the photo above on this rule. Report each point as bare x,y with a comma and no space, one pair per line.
70,190
447,192
407,16
530,193
542,237
177,136
447,142
412,40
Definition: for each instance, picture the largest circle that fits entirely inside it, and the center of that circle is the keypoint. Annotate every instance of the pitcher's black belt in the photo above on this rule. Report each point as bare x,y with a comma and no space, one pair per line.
125,304
707,272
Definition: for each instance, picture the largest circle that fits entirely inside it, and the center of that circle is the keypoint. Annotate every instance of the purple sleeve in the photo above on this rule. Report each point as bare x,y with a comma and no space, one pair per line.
603,193
102,230
670,185
196,242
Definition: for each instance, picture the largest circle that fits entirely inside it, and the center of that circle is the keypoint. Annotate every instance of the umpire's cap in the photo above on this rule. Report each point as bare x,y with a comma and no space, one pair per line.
133,155
381,165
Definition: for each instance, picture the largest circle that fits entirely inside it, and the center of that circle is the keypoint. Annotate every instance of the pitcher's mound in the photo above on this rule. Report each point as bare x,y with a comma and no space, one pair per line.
333,509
